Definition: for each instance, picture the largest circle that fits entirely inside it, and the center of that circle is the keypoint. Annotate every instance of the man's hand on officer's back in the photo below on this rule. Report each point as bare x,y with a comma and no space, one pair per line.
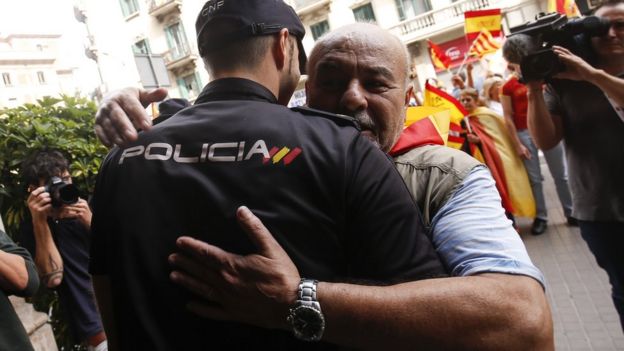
256,289
122,113
485,311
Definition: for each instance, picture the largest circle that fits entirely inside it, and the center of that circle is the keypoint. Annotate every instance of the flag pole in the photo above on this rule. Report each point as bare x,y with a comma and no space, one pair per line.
466,54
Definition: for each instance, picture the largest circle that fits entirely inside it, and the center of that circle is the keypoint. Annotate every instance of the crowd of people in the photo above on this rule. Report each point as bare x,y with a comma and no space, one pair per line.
236,222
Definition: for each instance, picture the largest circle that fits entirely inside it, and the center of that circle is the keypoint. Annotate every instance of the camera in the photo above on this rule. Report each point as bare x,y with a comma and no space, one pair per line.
536,39
61,193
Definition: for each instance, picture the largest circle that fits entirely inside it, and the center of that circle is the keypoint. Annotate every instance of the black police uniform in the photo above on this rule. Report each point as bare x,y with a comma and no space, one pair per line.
330,197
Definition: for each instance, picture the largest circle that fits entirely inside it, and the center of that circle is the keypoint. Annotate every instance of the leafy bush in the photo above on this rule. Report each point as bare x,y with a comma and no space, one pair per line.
65,124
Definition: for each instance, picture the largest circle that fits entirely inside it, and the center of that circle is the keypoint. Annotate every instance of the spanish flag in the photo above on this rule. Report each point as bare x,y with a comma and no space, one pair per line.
505,165
424,131
438,57
484,44
475,21
564,7
436,97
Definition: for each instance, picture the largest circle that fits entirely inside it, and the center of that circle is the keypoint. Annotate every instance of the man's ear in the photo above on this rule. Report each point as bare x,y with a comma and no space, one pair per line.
280,49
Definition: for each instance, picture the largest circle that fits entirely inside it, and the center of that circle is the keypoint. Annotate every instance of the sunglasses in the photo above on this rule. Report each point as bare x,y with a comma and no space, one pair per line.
617,26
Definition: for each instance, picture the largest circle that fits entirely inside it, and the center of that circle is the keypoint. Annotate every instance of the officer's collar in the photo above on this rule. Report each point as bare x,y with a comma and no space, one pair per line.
235,89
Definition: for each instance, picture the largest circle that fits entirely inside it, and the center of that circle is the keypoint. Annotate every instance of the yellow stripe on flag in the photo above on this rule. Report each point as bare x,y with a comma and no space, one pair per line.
278,156
437,98
484,44
475,24
439,117
565,7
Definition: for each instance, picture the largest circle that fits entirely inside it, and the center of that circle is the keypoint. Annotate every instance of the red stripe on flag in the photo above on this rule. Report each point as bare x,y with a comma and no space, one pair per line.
419,133
446,96
292,155
437,54
481,13
273,151
494,162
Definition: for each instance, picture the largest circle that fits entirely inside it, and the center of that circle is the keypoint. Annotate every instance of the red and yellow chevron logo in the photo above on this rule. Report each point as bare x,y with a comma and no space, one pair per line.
284,154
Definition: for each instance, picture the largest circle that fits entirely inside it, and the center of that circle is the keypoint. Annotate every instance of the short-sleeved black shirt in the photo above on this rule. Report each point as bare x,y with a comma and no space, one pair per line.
330,197
72,239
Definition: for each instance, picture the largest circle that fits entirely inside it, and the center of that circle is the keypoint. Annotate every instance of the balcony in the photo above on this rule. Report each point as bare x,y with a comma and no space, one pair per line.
162,8
305,7
423,25
179,57
31,57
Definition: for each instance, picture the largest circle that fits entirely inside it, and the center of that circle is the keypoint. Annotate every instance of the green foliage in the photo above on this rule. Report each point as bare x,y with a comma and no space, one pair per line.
65,124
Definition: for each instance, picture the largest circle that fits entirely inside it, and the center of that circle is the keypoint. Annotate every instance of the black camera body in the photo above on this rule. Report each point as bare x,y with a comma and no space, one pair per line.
555,29
61,193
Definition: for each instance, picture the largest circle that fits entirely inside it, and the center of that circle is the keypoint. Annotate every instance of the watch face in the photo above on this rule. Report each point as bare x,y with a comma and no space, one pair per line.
307,323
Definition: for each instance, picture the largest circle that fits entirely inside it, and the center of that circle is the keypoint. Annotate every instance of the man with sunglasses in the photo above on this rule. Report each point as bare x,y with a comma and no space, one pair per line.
584,108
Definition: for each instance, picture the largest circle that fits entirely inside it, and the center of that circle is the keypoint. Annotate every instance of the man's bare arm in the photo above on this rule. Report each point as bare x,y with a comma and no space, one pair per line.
482,312
579,69
13,272
47,257
546,129
102,289
521,150
488,311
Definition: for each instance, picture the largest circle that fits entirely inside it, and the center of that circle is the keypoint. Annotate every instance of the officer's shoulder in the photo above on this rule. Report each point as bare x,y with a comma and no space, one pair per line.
341,120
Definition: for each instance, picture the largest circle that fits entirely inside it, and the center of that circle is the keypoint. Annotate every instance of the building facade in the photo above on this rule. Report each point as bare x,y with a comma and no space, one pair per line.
152,42
30,69
415,21
146,43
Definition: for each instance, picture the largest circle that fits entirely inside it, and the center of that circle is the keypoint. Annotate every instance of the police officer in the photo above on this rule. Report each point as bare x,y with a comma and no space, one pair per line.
331,198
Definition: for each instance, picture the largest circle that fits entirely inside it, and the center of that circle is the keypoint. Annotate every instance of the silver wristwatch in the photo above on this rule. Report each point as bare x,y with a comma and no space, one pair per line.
305,317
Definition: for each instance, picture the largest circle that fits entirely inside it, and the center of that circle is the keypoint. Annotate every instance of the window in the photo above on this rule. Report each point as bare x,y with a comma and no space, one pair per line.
190,86
365,14
41,77
411,8
176,39
6,77
319,29
141,47
128,7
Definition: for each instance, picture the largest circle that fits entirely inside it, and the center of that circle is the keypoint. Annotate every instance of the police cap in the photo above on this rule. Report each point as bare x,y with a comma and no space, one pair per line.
252,18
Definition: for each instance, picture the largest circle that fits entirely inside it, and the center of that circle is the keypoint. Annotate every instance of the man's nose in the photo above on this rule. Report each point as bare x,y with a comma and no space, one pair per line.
353,98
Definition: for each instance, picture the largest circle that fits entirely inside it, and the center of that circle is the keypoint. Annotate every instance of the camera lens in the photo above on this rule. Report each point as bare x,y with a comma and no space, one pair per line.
68,194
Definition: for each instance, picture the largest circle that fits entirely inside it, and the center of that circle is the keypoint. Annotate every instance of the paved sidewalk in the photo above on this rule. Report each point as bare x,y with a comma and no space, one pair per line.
578,290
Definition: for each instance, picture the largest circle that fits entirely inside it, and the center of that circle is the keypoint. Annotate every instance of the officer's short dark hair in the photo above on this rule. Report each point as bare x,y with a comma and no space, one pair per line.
243,54
223,24
43,164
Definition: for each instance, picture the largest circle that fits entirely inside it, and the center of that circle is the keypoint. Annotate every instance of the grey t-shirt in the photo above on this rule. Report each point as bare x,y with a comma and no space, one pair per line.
594,139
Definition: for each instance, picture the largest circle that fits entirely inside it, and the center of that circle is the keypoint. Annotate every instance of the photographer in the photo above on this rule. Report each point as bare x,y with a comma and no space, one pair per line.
58,237
583,106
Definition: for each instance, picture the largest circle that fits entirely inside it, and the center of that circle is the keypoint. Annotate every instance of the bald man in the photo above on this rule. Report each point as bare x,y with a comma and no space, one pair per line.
496,301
